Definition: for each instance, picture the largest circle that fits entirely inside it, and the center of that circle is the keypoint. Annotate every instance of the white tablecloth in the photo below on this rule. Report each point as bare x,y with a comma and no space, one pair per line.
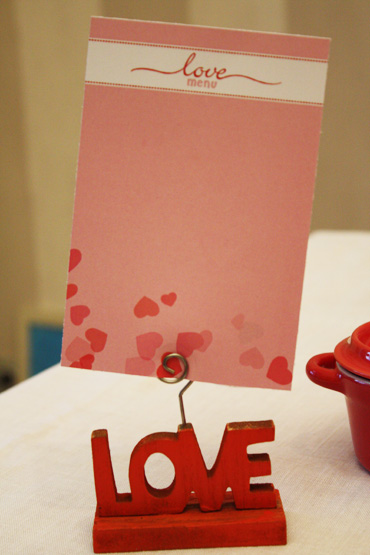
46,481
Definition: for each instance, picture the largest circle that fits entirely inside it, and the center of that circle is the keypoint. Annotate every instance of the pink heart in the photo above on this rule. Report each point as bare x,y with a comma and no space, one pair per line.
207,340
77,349
252,358
87,361
97,339
148,343
139,366
250,331
187,342
169,299
279,371
74,258
78,314
146,307
238,321
71,290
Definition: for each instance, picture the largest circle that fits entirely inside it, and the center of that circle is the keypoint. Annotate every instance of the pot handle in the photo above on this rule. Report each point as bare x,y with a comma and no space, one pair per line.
322,370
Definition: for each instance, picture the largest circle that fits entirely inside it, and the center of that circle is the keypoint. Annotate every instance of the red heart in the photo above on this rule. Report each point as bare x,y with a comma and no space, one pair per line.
87,361
238,321
252,358
279,371
207,340
174,364
97,339
71,290
78,314
187,342
139,366
74,258
146,307
169,299
148,343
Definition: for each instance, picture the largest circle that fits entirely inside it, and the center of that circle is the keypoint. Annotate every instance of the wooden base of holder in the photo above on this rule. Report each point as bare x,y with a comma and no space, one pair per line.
191,529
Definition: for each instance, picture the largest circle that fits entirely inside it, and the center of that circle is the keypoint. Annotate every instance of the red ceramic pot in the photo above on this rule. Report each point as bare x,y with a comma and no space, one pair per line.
347,370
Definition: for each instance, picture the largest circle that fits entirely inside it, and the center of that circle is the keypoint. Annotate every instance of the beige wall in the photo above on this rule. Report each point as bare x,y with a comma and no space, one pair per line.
51,41
17,253
342,198
43,49
262,15
156,10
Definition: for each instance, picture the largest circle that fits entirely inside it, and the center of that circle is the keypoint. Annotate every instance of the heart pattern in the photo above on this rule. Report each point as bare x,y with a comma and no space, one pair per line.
146,307
78,314
71,290
97,339
188,342
238,321
75,257
75,364
148,343
77,349
253,357
85,362
207,340
279,371
169,299
250,331
80,352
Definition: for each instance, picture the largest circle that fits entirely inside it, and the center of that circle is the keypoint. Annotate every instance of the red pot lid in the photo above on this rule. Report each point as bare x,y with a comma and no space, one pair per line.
353,353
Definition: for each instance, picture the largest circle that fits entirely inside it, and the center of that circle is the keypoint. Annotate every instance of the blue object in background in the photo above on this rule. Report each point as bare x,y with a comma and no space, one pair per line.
45,344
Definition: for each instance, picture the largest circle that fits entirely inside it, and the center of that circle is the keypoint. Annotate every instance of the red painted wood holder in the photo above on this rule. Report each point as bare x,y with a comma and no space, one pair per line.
196,510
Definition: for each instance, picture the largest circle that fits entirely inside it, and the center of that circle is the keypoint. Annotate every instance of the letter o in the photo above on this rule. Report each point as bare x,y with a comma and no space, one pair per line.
172,498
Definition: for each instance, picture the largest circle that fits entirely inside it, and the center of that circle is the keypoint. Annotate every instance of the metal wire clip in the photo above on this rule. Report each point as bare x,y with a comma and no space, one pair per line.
177,378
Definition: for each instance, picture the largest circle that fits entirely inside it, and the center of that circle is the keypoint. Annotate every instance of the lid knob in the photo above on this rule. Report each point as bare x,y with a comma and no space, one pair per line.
353,353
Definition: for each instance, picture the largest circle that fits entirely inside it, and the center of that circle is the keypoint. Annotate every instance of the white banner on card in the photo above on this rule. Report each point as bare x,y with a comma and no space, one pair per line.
201,71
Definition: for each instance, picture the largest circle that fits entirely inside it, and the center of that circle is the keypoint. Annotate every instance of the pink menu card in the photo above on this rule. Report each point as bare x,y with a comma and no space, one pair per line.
194,190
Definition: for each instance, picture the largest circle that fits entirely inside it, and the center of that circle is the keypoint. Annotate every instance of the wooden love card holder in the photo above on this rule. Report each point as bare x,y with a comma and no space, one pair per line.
201,508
